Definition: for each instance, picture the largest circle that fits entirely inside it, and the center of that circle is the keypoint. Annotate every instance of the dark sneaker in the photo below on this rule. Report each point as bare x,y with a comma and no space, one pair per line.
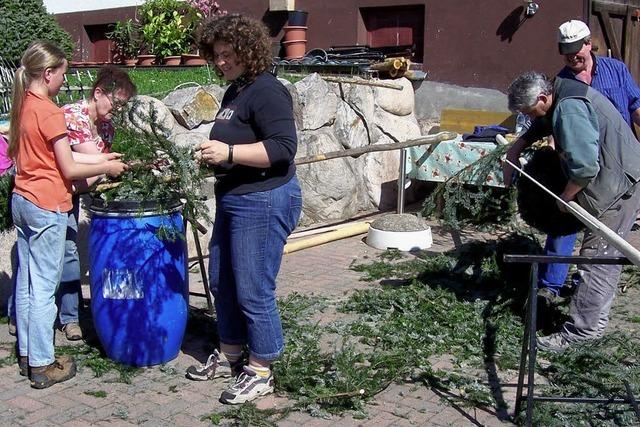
248,386
62,369
554,342
547,299
72,331
23,364
217,366
12,326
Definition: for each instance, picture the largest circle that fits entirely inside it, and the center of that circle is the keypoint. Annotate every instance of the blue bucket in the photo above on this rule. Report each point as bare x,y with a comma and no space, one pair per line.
139,280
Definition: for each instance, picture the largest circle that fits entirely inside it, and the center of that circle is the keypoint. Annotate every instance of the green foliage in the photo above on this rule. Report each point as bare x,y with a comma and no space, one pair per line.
97,362
159,169
166,26
595,369
126,36
159,83
458,201
23,21
6,189
98,393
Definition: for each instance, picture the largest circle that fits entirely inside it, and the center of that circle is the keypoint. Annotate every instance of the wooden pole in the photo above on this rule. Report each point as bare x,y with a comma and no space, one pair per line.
355,152
352,152
361,82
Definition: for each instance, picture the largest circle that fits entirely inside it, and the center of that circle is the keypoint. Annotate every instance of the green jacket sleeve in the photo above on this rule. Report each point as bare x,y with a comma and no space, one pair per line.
576,131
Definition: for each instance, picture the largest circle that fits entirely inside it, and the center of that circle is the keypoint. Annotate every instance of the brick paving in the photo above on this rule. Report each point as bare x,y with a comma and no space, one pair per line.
161,396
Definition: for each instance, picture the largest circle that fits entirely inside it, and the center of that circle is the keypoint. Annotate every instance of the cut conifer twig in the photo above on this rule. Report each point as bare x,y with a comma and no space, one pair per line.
587,219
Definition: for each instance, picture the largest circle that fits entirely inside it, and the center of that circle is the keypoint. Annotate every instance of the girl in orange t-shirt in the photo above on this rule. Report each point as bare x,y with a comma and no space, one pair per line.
40,202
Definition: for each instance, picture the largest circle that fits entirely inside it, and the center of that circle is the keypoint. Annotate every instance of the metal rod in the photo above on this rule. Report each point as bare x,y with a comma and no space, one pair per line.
401,180
203,272
631,398
533,349
523,355
577,259
561,399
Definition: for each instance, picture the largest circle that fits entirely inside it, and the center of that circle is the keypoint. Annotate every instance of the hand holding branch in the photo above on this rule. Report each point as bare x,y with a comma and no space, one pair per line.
212,152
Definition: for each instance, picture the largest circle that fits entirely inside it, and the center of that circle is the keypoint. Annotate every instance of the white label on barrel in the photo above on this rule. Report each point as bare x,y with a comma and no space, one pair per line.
121,284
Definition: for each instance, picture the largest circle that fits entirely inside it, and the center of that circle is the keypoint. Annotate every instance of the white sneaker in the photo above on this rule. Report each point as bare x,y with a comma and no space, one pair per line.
248,386
554,342
217,366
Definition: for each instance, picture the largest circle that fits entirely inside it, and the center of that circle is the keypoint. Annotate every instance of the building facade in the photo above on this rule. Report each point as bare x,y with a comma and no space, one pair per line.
462,42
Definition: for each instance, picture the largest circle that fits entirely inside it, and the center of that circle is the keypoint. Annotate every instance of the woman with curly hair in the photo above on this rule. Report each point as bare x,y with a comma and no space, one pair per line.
258,203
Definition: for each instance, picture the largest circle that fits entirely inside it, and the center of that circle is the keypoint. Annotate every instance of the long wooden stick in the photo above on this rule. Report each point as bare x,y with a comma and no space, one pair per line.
361,82
424,140
352,152
590,221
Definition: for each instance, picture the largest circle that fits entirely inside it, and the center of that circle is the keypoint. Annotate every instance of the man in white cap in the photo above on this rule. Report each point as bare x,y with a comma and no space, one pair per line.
606,75
609,77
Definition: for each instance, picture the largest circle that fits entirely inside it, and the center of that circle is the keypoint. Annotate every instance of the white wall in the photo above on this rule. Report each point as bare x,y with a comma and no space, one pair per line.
68,6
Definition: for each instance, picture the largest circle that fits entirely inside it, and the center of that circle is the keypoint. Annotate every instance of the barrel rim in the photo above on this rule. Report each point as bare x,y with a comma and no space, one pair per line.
134,207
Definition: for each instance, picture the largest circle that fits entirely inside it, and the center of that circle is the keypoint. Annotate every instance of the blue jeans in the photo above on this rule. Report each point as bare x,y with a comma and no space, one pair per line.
552,276
249,234
41,236
67,295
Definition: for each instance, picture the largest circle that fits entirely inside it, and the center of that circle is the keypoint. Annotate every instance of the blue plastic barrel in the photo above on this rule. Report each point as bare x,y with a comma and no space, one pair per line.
139,280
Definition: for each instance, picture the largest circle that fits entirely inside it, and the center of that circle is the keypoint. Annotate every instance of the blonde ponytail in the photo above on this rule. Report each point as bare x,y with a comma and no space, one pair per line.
39,56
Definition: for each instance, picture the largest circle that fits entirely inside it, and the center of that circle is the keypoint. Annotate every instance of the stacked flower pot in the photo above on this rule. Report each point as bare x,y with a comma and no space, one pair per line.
295,35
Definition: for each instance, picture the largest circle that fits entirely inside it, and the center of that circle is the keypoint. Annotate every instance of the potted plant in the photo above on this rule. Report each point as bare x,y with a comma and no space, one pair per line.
126,37
165,28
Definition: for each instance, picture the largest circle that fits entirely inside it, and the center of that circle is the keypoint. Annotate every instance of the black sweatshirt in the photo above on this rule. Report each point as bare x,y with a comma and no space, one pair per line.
260,111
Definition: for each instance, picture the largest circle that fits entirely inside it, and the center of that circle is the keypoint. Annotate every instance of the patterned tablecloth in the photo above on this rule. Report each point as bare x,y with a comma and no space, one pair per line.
441,161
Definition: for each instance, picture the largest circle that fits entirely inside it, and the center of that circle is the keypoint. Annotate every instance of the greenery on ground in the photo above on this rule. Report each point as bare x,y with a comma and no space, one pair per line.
464,307
90,357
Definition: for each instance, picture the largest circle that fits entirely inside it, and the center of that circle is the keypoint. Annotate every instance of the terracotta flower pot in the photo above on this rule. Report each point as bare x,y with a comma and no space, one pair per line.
193,59
294,49
146,60
171,60
295,33
130,62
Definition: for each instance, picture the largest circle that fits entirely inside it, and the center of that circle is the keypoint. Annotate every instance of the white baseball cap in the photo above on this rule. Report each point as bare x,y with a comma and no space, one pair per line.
571,36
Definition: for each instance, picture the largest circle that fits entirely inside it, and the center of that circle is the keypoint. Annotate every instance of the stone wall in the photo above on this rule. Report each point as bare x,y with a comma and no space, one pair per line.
329,117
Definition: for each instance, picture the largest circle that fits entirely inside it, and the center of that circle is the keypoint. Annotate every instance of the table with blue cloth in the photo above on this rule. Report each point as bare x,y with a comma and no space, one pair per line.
441,161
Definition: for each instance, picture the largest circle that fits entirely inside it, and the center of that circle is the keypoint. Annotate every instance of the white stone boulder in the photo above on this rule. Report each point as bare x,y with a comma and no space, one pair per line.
398,102
318,103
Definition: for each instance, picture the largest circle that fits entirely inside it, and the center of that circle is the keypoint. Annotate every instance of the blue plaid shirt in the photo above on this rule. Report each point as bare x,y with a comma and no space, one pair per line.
612,79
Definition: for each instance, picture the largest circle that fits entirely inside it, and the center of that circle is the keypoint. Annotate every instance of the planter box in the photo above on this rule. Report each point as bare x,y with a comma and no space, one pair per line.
275,5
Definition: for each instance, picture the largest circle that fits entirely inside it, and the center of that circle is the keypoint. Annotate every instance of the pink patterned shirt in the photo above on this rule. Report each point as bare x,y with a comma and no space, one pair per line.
76,116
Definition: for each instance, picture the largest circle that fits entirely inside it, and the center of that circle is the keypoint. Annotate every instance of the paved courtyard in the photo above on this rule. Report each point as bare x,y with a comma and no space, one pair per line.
161,396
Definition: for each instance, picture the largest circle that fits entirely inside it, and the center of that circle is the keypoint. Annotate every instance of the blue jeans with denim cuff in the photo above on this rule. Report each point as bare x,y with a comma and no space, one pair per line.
41,236
249,234
552,276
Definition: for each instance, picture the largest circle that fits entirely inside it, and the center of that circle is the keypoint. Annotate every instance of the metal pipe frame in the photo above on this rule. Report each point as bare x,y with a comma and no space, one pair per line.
529,347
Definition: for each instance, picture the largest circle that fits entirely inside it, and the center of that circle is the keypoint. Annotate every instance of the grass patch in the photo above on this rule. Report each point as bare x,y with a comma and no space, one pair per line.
100,394
156,82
